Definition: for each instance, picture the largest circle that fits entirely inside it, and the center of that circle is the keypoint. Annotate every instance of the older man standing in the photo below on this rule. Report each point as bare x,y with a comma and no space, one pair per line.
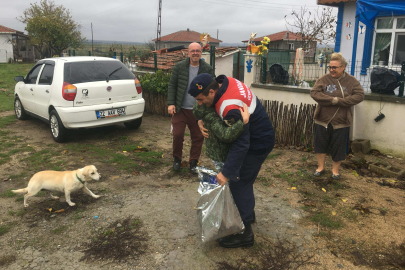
181,105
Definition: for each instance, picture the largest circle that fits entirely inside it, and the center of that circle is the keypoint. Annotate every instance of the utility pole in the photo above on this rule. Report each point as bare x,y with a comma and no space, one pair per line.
217,33
159,26
92,39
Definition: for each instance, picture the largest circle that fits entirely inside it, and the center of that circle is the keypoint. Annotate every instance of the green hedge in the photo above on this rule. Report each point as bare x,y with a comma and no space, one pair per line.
155,82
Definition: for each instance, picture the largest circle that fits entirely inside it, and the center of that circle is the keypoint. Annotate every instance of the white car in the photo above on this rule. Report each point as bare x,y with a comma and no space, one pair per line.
79,92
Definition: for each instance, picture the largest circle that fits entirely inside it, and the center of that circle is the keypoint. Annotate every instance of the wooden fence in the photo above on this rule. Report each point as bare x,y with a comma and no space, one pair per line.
155,103
293,126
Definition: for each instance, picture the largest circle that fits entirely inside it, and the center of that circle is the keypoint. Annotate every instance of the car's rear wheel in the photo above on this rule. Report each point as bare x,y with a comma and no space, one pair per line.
58,131
134,124
19,110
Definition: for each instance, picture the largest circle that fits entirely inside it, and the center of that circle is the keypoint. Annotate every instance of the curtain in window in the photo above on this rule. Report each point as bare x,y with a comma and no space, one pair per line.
382,42
400,23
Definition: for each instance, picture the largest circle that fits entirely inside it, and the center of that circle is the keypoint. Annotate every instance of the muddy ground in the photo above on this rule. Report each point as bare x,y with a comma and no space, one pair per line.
146,217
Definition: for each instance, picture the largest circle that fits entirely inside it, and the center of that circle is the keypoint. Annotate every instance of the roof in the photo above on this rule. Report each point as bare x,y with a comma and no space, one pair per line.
185,36
167,61
333,2
4,29
278,36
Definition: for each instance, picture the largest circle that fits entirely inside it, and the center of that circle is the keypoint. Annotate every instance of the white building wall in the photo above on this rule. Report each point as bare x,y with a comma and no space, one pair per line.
224,65
6,49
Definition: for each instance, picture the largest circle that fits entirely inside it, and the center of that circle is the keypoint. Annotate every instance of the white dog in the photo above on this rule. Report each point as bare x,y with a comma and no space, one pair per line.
67,182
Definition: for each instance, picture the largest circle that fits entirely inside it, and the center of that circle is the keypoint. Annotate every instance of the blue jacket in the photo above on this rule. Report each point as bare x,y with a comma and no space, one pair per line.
257,138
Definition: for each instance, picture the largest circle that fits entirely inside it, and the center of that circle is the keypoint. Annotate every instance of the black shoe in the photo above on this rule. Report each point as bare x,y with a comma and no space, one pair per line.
176,164
317,174
253,217
247,239
193,165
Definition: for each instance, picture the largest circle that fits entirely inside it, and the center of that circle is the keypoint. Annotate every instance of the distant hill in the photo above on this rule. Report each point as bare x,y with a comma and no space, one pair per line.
239,44
114,42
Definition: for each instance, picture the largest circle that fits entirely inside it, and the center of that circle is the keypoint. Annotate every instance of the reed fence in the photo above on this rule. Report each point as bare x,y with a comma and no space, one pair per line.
293,124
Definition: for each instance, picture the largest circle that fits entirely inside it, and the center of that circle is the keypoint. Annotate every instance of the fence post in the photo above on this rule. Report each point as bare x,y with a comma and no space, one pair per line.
122,57
89,53
212,58
155,61
264,70
401,87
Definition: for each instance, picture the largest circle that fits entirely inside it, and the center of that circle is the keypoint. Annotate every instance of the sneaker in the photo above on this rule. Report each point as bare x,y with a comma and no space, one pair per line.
176,164
193,165
317,174
336,176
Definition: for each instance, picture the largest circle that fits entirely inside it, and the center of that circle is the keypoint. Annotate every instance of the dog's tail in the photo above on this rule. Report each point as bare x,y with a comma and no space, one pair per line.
20,191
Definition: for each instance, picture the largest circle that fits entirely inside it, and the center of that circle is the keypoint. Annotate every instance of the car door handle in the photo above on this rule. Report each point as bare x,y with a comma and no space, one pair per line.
47,90
31,89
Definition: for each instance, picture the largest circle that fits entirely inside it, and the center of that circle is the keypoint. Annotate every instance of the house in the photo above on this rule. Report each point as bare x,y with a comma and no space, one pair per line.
14,45
286,40
379,39
182,37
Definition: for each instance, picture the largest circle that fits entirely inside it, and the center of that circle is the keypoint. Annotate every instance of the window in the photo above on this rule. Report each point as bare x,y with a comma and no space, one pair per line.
291,46
33,75
93,71
389,41
46,75
276,46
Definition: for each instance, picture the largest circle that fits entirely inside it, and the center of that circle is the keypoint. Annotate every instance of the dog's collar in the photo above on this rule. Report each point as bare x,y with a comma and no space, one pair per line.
80,180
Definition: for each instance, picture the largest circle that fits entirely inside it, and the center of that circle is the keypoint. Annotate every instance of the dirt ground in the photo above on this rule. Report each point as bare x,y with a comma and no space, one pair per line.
146,217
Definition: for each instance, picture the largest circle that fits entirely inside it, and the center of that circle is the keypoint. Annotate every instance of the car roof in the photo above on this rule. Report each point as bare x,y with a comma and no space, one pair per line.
78,59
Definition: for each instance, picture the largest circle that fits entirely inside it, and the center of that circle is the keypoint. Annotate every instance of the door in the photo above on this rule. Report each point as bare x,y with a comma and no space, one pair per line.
26,91
42,91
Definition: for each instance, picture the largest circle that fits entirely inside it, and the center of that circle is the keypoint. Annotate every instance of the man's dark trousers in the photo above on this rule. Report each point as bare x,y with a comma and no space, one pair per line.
242,190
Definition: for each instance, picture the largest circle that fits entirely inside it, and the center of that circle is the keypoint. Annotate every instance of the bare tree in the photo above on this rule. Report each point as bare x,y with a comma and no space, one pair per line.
318,25
16,49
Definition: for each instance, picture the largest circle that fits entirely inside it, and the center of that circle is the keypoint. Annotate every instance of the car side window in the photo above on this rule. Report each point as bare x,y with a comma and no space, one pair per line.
46,75
33,75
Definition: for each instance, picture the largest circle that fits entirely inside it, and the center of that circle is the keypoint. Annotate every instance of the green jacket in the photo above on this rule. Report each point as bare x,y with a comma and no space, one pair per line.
221,135
179,81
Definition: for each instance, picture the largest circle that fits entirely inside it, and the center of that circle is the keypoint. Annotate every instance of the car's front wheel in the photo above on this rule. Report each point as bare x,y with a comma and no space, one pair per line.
134,124
58,131
19,110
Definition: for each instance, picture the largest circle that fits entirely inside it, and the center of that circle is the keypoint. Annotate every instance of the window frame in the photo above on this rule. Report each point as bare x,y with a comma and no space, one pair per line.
42,71
291,46
393,31
30,72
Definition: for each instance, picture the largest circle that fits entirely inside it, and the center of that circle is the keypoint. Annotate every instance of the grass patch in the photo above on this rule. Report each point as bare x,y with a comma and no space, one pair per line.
274,155
7,194
42,158
327,220
60,229
5,228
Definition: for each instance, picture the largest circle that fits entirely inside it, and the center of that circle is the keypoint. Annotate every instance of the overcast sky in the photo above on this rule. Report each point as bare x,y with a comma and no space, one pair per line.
136,20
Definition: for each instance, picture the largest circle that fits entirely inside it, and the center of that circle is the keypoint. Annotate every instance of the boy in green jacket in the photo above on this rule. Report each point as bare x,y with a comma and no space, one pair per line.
221,135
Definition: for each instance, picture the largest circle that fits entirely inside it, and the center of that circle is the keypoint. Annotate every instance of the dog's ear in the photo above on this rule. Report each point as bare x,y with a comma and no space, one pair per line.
86,171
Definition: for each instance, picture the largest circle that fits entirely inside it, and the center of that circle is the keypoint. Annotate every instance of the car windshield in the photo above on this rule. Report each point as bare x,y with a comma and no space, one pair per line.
94,71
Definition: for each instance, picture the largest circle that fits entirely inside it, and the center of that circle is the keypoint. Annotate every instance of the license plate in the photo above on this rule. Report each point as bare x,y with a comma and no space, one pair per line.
110,113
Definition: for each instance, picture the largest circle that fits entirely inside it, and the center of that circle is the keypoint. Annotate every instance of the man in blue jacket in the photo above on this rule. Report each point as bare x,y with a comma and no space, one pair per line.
247,152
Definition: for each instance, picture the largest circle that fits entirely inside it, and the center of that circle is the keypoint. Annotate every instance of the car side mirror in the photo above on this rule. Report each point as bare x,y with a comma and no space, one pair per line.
19,78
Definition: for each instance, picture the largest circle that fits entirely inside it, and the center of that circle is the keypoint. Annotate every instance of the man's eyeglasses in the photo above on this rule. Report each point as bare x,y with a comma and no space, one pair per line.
333,68
195,51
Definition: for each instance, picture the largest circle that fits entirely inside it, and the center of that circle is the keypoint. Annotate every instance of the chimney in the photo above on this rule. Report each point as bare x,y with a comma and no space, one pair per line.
188,30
